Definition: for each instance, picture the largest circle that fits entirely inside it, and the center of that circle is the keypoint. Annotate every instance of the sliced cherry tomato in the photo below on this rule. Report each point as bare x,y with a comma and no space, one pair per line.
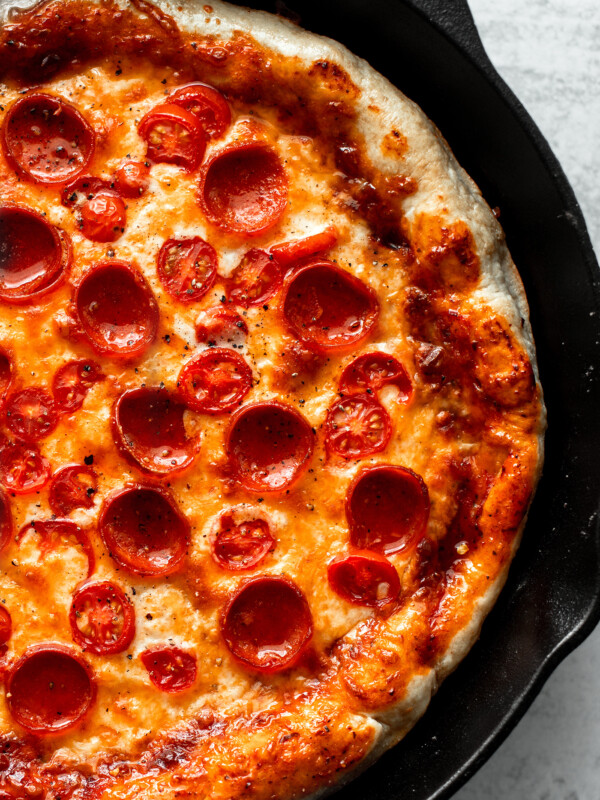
23,469
72,487
267,623
102,618
357,426
132,179
52,532
143,530
218,325
327,308
297,249
72,382
187,268
173,135
215,381
5,626
372,371
256,279
149,427
269,445
387,508
50,689
103,218
85,188
244,189
31,414
33,257
117,310
6,373
46,139
243,545
205,103
6,521
365,579
170,669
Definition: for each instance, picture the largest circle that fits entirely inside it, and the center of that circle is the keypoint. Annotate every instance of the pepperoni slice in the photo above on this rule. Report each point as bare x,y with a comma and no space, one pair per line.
244,189
170,669
143,530
267,623
72,487
149,427
102,618
103,217
215,381
46,139
6,373
365,579
31,414
6,522
256,279
5,626
23,469
132,179
297,249
269,445
387,508
50,689
373,371
327,308
243,545
52,532
173,135
187,268
218,325
357,426
72,382
205,103
33,255
117,310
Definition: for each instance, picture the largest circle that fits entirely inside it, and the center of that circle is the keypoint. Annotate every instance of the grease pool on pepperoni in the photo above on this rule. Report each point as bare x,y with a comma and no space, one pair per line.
373,371
102,618
243,544
216,381
187,268
365,579
72,487
357,426
170,669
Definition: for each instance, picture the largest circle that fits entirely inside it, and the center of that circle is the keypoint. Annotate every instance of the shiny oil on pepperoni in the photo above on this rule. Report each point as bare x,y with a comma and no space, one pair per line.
31,414
102,618
173,136
205,103
242,545
72,487
269,445
6,521
187,268
23,469
387,508
327,308
373,371
5,626
72,382
267,623
49,690
53,532
143,530
357,426
117,310
170,669
256,279
46,139
291,252
365,579
219,325
34,255
215,381
149,427
243,189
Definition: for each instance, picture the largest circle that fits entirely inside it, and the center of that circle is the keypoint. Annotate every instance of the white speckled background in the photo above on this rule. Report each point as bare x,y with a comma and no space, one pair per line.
548,51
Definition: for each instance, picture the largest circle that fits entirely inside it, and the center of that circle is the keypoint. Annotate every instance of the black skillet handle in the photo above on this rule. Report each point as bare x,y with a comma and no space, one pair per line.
455,19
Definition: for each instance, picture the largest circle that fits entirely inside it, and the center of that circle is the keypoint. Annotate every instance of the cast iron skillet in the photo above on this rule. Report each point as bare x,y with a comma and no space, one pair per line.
430,49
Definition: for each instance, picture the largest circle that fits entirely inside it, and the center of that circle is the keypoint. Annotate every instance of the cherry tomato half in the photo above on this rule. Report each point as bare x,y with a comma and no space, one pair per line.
72,382
256,279
31,414
215,381
173,135
187,268
243,545
357,426
72,487
23,469
102,618
170,669
205,103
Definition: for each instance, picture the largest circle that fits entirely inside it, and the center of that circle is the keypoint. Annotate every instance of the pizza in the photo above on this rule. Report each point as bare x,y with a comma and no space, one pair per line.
271,421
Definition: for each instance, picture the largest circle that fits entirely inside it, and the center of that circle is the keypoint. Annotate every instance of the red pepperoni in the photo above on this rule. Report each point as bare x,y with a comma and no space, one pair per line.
387,508
269,445
216,381
132,179
170,669
5,626
187,268
143,531
33,257
6,522
31,414
205,103
256,279
46,139
216,324
23,469
103,217
373,371
297,249
327,308
49,690
243,545
357,426
72,382
117,310
267,623
52,532
365,579
102,618
72,487
6,374
149,427
173,135
244,189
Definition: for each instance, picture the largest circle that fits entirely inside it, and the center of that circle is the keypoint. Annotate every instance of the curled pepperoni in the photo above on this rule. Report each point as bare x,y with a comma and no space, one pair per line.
52,532
149,427
173,135
46,139
220,325
143,530
34,255
267,623
117,310
243,545
6,373
72,382
132,179
187,268
205,103
256,279
5,626
244,189
23,469
297,249
365,579
387,508
6,521
31,414
373,371
357,426
103,217
215,381
269,445
102,618
327,308
170,669
72,487
50,689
